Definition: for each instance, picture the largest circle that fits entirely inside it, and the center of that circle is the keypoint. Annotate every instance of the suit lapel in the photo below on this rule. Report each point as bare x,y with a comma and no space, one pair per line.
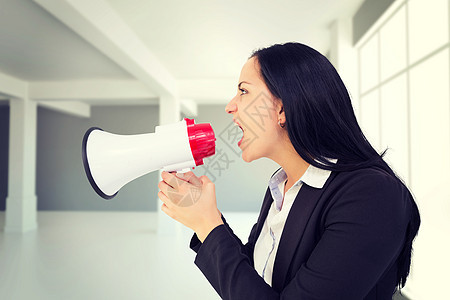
301,210
299,215
263,214
264,210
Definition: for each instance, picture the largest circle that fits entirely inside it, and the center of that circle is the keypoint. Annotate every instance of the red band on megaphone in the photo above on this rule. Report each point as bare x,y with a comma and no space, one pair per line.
201,140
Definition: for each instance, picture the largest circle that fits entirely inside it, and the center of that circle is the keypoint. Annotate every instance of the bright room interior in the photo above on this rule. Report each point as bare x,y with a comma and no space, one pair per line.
129,66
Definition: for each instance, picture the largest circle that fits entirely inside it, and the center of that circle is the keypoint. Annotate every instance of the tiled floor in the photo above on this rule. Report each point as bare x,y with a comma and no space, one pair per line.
103,255
91,255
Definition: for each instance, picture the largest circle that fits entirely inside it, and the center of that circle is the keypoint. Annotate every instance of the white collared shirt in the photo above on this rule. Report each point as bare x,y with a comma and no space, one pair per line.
267,244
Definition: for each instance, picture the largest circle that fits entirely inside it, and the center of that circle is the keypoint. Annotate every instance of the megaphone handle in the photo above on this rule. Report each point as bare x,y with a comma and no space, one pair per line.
182,171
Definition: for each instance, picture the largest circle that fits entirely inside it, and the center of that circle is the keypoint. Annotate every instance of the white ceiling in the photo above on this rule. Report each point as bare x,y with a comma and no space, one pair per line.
193,40
212,39
35,46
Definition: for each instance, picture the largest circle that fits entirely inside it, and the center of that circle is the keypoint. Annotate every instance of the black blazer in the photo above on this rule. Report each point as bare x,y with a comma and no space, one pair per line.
339,242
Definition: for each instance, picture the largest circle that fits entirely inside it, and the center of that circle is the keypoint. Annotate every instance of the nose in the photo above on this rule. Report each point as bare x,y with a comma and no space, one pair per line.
231,106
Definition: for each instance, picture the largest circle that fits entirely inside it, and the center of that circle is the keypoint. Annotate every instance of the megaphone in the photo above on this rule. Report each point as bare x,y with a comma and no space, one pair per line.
112,160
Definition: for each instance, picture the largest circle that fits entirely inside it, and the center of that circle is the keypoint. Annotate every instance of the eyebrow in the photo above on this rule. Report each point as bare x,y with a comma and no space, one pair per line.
239,85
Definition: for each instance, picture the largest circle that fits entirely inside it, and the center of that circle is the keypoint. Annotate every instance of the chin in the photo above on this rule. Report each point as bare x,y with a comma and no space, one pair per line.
246,160
248,157
245,157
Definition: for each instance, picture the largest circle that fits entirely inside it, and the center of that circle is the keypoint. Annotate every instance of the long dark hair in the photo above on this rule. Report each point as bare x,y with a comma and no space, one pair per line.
320,120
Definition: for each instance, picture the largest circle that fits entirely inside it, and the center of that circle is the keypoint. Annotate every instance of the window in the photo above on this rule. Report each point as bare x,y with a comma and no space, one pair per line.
404,94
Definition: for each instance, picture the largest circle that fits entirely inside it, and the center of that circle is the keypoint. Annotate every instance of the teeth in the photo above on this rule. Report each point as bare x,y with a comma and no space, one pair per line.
239,137
235,123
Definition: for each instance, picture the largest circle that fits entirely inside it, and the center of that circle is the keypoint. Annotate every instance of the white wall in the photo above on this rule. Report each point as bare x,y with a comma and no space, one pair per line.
61,182
405,105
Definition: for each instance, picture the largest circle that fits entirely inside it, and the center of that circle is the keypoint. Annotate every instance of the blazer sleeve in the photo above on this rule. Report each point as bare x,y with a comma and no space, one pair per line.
246,249
363,234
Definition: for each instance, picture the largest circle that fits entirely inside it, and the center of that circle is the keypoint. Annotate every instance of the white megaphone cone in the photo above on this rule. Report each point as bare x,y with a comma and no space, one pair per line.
112,160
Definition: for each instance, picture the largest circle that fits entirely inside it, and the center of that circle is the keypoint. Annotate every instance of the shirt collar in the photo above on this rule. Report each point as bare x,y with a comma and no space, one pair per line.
313,176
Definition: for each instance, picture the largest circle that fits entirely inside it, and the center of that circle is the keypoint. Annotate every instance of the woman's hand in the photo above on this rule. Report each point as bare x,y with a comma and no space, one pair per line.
191,201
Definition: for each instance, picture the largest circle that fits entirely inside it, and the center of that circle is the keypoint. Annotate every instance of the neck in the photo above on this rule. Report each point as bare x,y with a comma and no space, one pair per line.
291,162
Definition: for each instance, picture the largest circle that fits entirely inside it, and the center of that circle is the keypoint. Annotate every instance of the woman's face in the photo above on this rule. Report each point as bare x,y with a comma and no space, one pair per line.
257,112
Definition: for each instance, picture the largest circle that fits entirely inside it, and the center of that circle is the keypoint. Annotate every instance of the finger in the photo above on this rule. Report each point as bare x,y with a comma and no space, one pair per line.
188,177
171,179
167,211
179,175
165,199
165,176
165,187
191,178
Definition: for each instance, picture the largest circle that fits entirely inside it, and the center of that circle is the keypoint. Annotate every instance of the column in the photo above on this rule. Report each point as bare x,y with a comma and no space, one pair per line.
21,203
344,56
169,112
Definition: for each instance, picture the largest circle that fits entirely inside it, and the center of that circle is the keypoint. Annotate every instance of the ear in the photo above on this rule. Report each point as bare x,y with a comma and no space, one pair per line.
280,112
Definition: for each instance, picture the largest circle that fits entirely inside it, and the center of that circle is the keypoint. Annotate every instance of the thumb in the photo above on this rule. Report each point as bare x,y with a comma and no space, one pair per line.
205,179
208,186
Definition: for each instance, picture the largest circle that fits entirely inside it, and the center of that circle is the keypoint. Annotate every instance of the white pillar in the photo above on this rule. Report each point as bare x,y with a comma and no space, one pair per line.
344,56
169,112
21,203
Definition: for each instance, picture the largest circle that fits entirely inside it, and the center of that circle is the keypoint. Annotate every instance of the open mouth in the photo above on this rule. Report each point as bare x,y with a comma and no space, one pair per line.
242,138
242,131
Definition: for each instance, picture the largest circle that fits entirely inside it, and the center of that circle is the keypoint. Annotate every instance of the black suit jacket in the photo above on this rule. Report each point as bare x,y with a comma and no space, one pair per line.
339,242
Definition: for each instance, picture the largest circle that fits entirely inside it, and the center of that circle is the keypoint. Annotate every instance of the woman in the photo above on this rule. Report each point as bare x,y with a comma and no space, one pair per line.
335,223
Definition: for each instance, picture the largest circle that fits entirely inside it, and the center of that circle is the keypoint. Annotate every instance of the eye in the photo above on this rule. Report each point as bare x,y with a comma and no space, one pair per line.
243,92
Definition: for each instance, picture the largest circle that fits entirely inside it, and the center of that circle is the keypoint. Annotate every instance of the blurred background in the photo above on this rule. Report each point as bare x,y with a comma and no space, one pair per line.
128,66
